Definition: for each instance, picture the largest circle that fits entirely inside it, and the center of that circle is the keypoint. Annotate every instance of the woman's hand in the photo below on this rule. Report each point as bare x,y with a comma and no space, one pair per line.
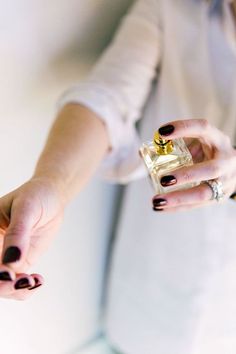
31,214
29,218
214,158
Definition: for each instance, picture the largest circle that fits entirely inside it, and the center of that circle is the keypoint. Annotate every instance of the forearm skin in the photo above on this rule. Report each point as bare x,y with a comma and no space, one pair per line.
77,143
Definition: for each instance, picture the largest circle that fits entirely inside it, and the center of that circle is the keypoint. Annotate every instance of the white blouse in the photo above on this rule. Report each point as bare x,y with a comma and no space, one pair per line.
172,285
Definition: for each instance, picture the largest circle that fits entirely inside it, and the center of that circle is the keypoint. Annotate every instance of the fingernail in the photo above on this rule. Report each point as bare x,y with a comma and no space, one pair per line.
5,276
12,254
37,284
22,283
159,202
233,196
166,130
157,209
168,180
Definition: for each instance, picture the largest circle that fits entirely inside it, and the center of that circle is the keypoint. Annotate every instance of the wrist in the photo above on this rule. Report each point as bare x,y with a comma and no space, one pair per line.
52,183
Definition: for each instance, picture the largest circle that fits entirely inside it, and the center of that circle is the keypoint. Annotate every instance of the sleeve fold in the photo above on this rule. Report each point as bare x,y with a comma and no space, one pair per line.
118,86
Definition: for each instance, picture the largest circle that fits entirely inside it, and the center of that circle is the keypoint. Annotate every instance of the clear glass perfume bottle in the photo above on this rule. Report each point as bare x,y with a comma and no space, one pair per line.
161,157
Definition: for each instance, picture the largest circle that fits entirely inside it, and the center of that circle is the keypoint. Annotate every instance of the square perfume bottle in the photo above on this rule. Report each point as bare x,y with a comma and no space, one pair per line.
162,157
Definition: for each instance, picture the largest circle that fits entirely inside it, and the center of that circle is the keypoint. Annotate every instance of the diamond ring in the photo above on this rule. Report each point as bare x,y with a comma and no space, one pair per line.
217,189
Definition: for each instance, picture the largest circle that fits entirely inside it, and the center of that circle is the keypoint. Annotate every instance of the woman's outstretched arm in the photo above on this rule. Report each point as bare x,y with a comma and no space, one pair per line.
31,215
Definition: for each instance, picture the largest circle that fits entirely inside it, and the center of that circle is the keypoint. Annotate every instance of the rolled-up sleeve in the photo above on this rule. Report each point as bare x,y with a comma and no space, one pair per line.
118,86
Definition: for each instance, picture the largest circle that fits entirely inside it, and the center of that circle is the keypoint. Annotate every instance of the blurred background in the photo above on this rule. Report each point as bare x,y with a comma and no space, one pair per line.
45,47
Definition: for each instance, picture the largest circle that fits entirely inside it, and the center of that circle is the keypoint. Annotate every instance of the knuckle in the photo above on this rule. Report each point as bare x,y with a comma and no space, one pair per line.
16,229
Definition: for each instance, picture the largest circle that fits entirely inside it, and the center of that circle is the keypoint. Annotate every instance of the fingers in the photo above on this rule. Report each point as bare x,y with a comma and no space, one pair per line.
195,197
200,194
196,173
6,274
213,159
196,128
38,280
21,287
17,237
183,207
14,288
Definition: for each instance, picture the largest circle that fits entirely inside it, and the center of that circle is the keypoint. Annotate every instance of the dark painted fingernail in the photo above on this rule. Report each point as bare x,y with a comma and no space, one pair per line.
159,202
37,284
12,254
5,276
233,196
22,283
157,209
166,130
168,180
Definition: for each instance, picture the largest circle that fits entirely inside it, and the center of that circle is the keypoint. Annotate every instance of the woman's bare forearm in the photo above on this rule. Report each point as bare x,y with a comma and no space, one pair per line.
76,144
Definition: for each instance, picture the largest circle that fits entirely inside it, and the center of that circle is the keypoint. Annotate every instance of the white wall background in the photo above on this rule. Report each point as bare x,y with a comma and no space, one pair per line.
45,46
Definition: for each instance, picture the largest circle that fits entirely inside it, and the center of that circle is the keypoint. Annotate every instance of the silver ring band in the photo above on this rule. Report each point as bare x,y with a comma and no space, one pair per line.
217,189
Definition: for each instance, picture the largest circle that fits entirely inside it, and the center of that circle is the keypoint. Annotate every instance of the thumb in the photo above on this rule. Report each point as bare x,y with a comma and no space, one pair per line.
17,237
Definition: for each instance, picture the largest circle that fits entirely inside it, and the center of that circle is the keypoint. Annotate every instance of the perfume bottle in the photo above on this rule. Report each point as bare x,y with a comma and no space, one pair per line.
161,157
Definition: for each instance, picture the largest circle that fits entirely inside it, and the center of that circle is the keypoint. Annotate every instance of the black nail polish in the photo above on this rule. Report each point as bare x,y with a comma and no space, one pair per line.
22,283
159,202
36,281
233,196
12,254
166,130
5,276
168,180
157,209
37,284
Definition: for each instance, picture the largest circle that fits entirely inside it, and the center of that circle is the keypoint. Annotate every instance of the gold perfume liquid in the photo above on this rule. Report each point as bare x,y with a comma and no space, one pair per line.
162,157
